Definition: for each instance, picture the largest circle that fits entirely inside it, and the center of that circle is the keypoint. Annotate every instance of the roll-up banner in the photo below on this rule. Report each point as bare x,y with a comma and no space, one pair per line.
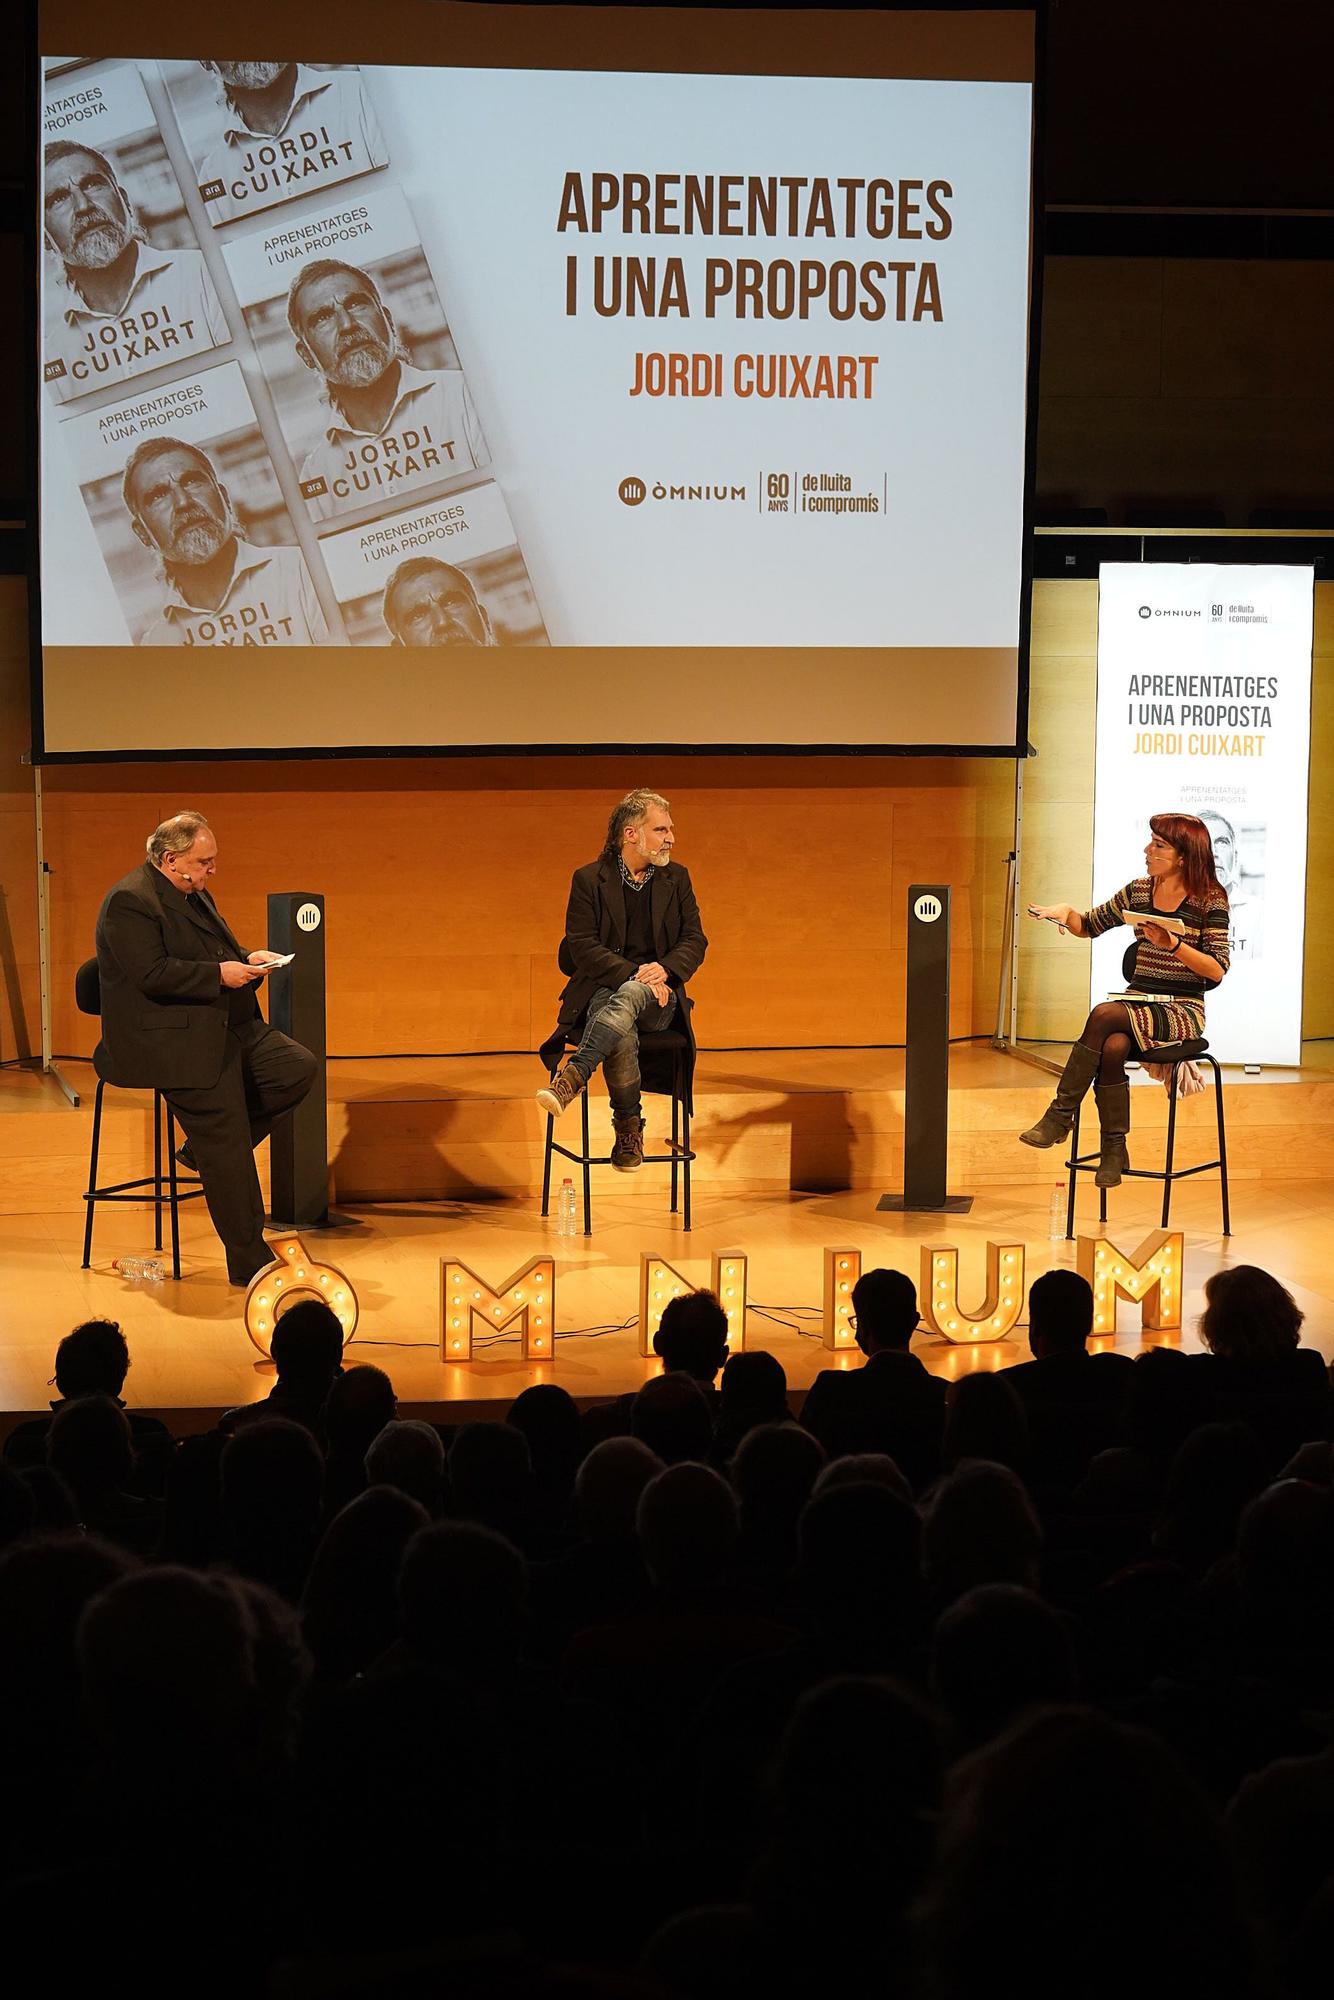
1204,706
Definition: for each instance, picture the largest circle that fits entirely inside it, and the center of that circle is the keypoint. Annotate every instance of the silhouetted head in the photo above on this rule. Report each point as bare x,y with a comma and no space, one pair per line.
349,1608
168,1662
463,1597
360,1403
753,1391
984,1418
307,1347
411,1458
864,1756
885,1303
859,1563
865,1468
692,1336
45,1582
1285,1557
548,1417
1249,1316
491,1477
93,1360
1060,1313
607,1487
270,1479
1062,1787
773,1473
980,1527
1219,1468
89,1444
671,1416
997,1651
687,1527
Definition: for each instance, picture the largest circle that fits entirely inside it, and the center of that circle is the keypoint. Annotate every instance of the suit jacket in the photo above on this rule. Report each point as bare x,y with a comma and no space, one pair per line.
1077,1405
592,953
892,1405
164,1007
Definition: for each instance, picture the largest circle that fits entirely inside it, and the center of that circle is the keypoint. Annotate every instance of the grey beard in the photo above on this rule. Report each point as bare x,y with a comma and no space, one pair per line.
254,75
98,247
198,545
361,366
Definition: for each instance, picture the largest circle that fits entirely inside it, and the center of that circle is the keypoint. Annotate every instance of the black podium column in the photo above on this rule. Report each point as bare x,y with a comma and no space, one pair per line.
299,1148
926,1125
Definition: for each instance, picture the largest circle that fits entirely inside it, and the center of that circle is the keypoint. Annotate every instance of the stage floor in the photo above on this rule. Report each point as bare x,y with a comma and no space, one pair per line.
192,1357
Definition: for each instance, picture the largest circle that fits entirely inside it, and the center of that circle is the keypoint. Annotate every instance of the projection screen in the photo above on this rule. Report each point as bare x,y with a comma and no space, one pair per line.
543,377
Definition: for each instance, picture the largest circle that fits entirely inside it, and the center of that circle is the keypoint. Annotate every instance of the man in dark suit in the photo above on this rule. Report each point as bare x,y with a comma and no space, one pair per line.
179,1014
1077,1403
632,939
893,1404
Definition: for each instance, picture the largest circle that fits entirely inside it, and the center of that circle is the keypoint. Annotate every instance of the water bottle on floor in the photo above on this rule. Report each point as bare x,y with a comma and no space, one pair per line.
140,1270
566,1224
1056,1211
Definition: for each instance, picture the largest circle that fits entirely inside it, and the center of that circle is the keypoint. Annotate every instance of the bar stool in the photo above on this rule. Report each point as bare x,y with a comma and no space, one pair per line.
1174,1053
168,1191
678,1154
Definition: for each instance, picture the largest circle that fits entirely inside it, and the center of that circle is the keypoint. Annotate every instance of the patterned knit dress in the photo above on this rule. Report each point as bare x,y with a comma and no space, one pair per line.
1175,1013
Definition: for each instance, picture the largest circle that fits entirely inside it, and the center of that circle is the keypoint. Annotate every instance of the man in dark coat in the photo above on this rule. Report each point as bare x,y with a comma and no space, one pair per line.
892,1405
632,940
179,1015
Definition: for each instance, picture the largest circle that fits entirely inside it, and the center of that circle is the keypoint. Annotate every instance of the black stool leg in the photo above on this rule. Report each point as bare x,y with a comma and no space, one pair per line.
546,1167
588,1177
676,1123
685,1164
157,1169
1070,1192
1222,1146
174,1197
90,1199
1171,1142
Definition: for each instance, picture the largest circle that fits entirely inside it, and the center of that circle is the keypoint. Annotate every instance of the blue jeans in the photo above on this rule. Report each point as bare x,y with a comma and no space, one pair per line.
615,1020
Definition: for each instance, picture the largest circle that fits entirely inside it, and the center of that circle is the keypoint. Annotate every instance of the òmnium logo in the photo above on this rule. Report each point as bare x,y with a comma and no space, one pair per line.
634,490
1145,611
1168,611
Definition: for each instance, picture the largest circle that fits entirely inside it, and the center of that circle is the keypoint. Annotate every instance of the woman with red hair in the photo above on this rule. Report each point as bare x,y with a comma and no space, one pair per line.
1171,971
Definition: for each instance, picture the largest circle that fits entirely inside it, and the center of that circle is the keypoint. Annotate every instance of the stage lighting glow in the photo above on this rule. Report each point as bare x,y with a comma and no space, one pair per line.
842,1268
1147,1276
294,1274
938,1289
510,1303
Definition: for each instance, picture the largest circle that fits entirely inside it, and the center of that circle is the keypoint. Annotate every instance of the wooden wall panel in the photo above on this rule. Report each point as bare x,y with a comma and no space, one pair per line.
447,878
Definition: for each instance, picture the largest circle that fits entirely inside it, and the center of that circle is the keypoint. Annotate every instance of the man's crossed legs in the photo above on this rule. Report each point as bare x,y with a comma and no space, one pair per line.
615,1020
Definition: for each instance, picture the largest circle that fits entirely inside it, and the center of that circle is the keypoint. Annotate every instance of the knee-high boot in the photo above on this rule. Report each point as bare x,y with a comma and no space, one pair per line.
1081,1066
1113,1100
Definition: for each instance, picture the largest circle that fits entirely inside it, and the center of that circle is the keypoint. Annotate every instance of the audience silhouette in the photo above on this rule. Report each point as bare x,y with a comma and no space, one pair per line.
908,1694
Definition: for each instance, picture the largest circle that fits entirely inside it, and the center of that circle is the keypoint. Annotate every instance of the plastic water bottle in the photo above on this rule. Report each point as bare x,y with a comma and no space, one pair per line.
140,1270
565,1216
1056,1211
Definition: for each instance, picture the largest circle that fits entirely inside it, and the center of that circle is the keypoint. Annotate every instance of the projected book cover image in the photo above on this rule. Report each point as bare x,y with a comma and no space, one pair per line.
352,337
261,133
447,574
190,519
124,281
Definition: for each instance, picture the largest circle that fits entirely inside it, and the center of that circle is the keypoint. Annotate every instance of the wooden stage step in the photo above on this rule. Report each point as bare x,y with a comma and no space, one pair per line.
767,1121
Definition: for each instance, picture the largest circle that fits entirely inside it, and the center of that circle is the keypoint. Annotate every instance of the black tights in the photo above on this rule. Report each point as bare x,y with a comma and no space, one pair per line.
1107,1031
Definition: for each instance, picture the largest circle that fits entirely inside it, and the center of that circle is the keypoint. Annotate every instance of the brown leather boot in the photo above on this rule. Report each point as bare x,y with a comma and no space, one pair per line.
560,1093
1081,1066
1113,1101
627,1154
